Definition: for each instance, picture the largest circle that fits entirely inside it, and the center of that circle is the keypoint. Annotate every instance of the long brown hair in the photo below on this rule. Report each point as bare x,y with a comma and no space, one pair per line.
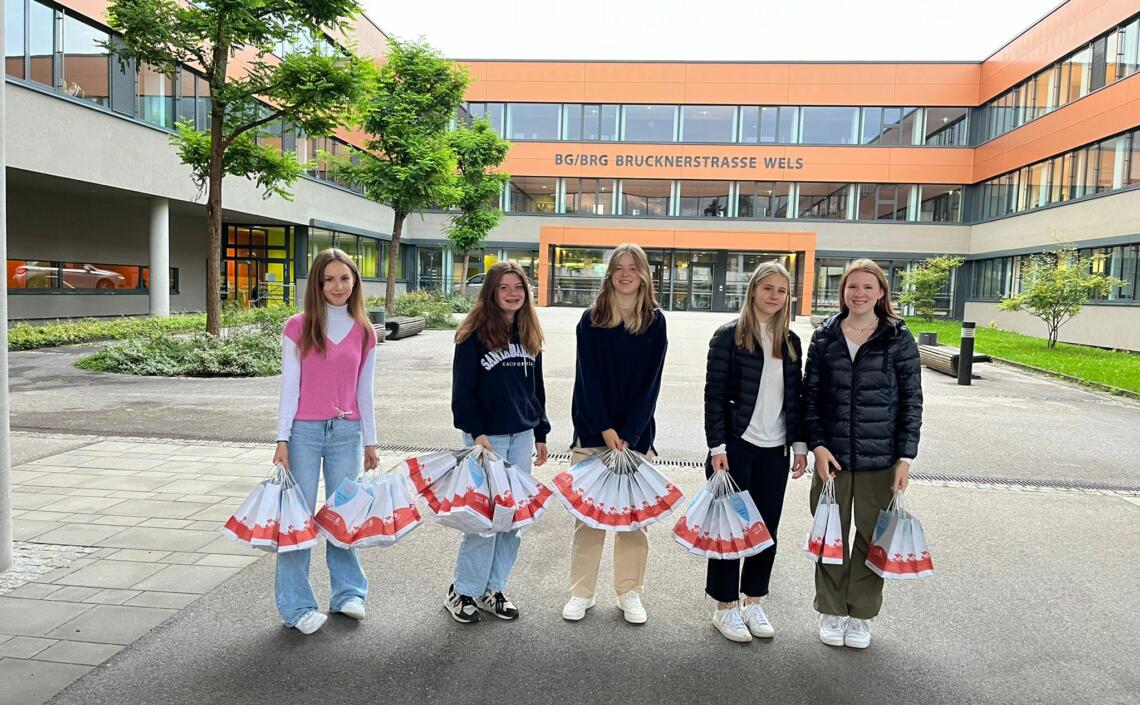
316,319
883,307
487,321
748,325
604,313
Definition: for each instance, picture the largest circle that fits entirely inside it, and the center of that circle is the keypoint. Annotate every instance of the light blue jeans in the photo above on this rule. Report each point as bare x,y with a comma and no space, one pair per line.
485,562
338,442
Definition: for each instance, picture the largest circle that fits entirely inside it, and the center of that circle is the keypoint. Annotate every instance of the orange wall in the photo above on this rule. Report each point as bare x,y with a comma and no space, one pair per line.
723,83
942,165
1063,30
676,238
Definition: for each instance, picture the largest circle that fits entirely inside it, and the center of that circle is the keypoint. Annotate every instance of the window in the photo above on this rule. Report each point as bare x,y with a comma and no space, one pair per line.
707,123
493,112
41,43
589,122
1110,173
156,97
1134,161
1097,64
1130,48
645,197
749,124
81,276
824,125
85,63
14,38
947,127
203,104
707,199
822,200
532,121
762,199
883,201
588,196
648,123
532,194
1080,69
940,203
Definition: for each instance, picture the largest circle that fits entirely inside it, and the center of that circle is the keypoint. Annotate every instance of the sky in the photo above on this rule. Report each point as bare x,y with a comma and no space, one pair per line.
712,30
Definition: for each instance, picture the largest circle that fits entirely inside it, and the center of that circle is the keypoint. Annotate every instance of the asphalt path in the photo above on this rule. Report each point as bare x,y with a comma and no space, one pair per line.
1008,424
1028,605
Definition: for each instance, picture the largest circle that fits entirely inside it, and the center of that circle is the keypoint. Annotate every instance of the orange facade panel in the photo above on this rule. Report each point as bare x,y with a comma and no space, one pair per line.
1062,31
741,162
1110,110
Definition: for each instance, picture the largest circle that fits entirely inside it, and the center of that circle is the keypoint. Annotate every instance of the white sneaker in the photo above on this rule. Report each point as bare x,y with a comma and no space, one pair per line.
631,607
353,607
576,607
831,628
729,622
310,622
757,621
858,633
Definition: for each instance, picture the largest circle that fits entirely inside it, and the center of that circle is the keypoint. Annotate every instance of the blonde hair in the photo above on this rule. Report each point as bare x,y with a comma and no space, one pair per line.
779,327
604,313
883,307
315,316
486,319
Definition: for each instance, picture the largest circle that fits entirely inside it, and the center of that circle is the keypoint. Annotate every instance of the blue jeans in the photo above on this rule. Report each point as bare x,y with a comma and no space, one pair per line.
338,442
485,562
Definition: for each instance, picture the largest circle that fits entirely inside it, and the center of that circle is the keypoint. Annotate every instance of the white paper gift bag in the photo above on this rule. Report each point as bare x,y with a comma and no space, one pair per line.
344,513
817,535
898,545
467,506
297,529
254,523
502,498
392,515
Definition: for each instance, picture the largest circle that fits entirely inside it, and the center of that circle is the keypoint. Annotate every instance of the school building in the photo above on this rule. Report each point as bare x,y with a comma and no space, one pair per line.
711,167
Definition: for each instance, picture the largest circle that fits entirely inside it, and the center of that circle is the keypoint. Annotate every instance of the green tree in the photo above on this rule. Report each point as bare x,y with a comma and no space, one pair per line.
922,284
1056,285
313,90
409,165
478,151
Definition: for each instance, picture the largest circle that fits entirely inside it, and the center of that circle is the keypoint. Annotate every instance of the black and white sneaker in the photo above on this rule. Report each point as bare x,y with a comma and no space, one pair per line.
461,607
497,604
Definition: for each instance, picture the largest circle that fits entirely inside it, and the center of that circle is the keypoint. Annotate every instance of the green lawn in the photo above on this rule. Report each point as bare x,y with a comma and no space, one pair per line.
1118,369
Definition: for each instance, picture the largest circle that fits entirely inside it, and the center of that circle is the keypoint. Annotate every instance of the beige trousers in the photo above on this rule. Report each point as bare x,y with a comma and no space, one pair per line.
631,552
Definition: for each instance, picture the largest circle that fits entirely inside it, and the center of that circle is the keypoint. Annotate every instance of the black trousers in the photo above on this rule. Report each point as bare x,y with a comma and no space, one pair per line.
763,472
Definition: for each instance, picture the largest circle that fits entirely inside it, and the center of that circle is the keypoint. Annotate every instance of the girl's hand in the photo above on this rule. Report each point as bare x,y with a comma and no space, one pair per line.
613,442
371,458
902,476
824,461
719,462
799,466
281,455
541,452
482,440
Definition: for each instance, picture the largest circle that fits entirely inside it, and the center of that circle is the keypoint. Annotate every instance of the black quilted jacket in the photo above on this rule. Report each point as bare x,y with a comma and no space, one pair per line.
867,412
732,380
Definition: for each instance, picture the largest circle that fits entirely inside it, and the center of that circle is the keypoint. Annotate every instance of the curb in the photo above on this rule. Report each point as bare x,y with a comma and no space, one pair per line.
1116,391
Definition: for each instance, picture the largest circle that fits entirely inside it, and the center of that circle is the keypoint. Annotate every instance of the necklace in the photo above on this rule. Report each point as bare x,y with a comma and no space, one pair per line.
861,330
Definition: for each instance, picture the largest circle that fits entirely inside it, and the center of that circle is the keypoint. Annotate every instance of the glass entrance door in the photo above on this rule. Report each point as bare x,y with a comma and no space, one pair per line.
256,265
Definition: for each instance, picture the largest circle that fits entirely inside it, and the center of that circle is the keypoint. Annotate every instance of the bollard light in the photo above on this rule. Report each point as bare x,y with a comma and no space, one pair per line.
966,353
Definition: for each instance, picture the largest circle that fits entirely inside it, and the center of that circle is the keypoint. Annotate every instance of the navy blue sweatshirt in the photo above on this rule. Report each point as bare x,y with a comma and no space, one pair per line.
616,381
498,392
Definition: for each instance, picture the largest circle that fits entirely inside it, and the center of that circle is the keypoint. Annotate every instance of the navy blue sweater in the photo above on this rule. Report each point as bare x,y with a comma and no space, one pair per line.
616,381
498,392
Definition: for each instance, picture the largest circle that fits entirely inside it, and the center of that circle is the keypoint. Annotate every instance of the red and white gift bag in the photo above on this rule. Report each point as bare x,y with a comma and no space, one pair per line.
344,513
616,490
824,541
531,497
273,517
391,515
898,545
722,522
465,502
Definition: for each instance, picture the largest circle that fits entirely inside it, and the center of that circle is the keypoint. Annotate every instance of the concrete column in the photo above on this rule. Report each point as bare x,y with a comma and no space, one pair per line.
159,257
5,426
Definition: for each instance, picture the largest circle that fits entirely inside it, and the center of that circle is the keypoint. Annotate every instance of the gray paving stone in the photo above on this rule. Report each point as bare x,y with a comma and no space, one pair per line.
131,494
35,682
205,525
161,539
227,561
19,477
24,647
219,512
22,617
77,518
121,463
115,446
25,529
68,569
187,578
128,483
87,505
208,451
112,596
110,574
206,499
161,509
168,600
225,545
182,558
167,523
78,534
118,521
73,593
27,500
57,478
86,492
79,652
133,554
111,624
34,591
5,637
191,486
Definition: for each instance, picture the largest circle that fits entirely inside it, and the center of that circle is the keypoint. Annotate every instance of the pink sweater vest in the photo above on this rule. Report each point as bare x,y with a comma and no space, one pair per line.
329,381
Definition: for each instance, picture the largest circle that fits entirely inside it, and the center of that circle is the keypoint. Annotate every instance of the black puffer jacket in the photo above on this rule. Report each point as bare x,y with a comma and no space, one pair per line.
732,381
867,412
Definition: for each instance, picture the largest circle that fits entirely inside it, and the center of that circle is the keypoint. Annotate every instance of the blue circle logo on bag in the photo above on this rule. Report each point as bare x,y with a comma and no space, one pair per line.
738,505
345,491
477,476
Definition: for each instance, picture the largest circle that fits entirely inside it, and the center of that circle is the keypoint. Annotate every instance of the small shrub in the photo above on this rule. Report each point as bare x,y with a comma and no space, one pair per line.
434,306
245,354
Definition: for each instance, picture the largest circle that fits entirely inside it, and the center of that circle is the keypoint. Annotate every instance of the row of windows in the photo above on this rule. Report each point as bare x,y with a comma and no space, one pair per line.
723,124
61,51
1108,165
27,274
1110,57
658,198
829,272
369,254
1001,277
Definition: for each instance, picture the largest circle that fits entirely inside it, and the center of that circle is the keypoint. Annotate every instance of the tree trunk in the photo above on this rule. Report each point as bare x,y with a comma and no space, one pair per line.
390,285
214,214
1052,337
463,276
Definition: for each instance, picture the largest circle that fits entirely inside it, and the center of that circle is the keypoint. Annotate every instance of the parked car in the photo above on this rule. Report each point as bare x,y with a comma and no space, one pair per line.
86,276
